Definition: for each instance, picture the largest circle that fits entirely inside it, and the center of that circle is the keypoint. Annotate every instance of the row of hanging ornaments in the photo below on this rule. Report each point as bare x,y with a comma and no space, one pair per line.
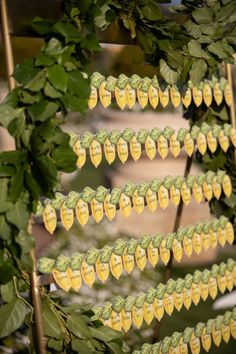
127,90
203,137
223,327
70,272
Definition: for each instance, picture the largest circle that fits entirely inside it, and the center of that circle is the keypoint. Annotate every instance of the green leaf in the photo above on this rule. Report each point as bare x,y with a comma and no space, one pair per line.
167,73
17,126
7,271
105,334
13,157
25,71
55,344
217,49
151,11
65,159
29,98
18,215
17,184
67,30
196,50
77,325
5,230
7,114
42,26
42,110
37,83
203,15
77,85
58,77
43,60
198,71
54,47
51,92
51,325
115,347
74,104
26,241
4,201
12,316
82,346
7,171
7,291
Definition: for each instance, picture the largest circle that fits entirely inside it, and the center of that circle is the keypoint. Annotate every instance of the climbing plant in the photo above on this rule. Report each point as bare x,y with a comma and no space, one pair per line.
55,82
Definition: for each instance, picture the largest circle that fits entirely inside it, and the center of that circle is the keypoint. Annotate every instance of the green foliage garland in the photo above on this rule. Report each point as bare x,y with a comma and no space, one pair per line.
53,83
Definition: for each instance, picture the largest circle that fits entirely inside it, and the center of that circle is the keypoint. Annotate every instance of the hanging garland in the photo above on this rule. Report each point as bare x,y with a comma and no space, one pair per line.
54,82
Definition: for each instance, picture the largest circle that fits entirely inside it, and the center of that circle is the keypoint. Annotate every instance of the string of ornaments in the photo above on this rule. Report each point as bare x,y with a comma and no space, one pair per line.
223,327
126,91
122,313
121,144
70,272
158,192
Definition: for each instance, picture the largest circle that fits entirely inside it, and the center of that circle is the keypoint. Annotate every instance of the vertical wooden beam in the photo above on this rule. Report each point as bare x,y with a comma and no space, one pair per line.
35,294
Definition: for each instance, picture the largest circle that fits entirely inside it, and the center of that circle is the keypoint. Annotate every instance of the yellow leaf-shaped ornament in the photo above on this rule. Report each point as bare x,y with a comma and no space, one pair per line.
135,148
225,332
187,97
201,143
168,302
163,197
158,308
224,141
148,313
207,95
115,264
142,97
227,186
150,148
185,193
211,142
138,202
221,233
153,96
197,96
110,209
216,188
175,195
102,270
229,232
218,94
233,328
140,257
152,253
95,152
49,218
109,151
196,293
128,261
197,192
122,150
213,239
188,246
195,344
67,216
137,316
187,297
125,205
130,96
177,250
228,95
178,301
93,98
82,212
97,210
81,153
75,278
175,96
206,340
164,97
164,252
151,199
197,243
233,136
62,279
88,273
116,321
188,144
213,287
126,320
174,145
216,336
120,95
104,95
208,191
162,145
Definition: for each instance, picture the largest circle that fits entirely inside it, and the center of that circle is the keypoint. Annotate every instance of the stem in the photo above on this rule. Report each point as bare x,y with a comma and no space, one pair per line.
20,297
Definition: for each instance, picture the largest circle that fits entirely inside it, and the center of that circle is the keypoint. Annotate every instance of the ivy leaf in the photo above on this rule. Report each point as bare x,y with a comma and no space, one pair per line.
7,291
82,346
105,334
68,31
26,241
17,184
37,83
55,344
203,15
5,230
42,26
54,47
51,92
196,50
7,114
12,316
7,271
52,328
77,85
18,215
17,126
42,110
217,49
74,104
151,11
198,71
4,202
77,325
64,158
167,73
25,71
58,77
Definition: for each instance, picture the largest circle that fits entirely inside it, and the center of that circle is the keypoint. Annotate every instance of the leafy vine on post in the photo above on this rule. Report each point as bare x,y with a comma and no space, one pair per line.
52,84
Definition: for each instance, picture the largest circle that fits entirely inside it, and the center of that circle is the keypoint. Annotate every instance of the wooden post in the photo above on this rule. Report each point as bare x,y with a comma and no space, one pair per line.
35,294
